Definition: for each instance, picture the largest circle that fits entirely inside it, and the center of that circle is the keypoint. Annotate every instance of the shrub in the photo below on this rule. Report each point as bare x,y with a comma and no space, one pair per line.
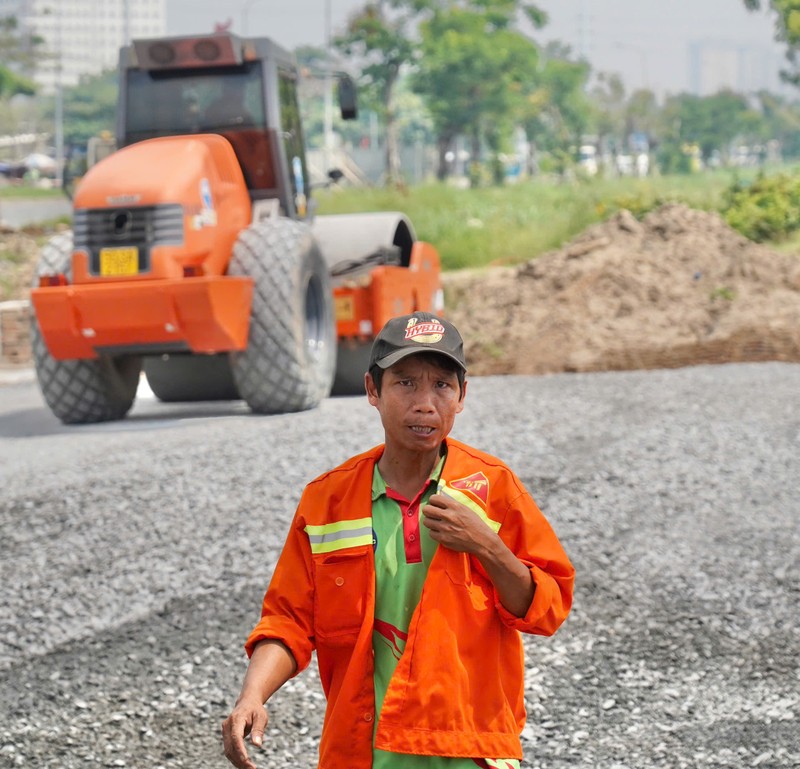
767,209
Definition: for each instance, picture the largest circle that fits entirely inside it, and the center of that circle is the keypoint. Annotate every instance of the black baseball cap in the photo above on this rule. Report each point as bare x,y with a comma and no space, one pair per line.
418,332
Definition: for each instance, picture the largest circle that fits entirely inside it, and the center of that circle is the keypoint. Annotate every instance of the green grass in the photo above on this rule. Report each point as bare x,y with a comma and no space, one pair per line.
509,225
24,191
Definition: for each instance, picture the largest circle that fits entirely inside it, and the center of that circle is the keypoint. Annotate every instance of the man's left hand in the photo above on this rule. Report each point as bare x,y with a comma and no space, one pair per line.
454,525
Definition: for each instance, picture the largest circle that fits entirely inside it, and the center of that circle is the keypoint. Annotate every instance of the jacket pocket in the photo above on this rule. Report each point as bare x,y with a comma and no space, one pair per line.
340,598
469,580
457,566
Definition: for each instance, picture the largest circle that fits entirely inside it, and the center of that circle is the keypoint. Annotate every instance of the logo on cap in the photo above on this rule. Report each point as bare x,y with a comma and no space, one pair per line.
429,332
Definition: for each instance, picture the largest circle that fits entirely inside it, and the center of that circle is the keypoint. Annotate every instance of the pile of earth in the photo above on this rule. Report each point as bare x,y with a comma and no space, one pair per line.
679,288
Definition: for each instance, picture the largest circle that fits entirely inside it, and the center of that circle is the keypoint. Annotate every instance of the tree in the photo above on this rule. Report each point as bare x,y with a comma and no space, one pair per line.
787,30
12,84
557,111
473,72
382,39
18,54
609,100
642,113
710,123
90,107
782,122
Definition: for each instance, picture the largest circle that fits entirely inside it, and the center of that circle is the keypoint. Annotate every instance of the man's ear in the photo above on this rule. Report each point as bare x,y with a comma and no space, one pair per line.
463,396
372,391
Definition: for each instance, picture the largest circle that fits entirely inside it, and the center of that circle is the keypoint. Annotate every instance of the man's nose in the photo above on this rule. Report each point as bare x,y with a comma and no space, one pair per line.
423,400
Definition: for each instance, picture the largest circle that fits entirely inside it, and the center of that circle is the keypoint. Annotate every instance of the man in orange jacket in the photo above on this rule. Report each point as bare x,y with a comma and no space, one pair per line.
411,570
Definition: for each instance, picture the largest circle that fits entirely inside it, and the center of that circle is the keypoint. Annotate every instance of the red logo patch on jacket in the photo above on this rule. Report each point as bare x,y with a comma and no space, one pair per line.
476,484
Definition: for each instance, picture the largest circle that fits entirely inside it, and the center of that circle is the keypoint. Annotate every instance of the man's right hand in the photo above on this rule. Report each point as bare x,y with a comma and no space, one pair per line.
271,666
247,718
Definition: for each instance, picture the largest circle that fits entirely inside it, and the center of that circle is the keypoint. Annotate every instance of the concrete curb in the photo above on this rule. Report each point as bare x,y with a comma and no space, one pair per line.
10,375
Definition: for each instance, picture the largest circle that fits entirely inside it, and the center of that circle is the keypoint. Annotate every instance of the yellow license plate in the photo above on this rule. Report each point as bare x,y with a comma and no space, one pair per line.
344,308
119,261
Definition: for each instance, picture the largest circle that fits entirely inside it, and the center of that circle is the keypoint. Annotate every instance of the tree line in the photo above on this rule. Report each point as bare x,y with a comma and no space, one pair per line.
471,71
478,74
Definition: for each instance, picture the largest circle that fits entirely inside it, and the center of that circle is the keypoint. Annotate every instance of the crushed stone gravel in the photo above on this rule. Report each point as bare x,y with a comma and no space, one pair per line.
135,555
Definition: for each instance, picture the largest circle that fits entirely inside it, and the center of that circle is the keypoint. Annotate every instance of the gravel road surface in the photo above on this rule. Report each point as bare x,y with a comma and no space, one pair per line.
134,556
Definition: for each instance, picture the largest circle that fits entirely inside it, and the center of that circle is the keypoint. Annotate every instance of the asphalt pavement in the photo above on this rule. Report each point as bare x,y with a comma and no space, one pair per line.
21,212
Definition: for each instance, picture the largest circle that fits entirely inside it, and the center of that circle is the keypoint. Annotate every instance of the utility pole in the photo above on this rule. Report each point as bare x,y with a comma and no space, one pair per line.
328,118
583,31
59,111
245,10
126,22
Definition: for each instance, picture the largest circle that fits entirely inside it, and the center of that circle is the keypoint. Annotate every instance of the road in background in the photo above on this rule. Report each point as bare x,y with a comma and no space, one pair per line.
21,212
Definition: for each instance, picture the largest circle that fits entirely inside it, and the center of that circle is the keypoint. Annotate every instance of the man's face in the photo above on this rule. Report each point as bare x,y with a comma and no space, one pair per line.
418,403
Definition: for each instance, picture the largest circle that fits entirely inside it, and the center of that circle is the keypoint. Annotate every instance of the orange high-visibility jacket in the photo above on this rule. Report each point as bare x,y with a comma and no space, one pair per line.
458,687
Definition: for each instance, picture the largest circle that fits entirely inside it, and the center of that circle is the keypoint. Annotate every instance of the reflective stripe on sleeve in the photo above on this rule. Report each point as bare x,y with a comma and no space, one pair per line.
328,537
465,499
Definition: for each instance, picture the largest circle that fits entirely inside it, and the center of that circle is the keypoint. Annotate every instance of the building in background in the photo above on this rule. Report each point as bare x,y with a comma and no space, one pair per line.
742,67
83,37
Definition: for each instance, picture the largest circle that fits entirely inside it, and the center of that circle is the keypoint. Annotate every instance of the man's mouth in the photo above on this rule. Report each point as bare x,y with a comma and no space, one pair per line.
421,429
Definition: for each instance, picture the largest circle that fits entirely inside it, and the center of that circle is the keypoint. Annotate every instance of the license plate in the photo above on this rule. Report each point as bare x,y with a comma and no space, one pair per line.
119,261
344,308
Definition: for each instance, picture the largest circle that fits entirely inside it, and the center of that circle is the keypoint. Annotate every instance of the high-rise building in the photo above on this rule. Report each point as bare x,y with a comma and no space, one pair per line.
83,37
741,67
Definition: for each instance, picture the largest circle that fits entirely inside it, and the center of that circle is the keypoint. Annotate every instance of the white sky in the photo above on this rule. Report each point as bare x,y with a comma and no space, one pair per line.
646,41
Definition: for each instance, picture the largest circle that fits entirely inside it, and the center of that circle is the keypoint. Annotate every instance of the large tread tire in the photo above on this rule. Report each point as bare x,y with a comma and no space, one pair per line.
291,348
186,377
80,391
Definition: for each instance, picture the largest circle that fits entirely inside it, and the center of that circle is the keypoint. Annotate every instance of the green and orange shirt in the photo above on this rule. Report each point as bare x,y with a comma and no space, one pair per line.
403,551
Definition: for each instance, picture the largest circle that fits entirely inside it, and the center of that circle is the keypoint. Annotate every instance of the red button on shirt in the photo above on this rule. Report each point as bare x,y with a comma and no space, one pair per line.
410,512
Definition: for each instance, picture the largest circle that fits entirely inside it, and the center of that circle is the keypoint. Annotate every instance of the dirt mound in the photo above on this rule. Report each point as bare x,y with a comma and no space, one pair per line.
677,289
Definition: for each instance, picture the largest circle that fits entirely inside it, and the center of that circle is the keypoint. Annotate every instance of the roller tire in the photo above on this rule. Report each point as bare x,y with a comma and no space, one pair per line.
352,360
290,358
80,391
187,377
